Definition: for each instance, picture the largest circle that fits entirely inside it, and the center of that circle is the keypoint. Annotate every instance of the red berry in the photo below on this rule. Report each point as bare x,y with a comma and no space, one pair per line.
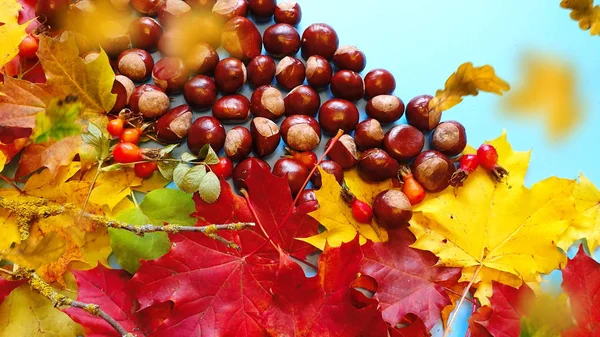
469,162
223,169
144,170
28,47
361,211
126,153
131,136
488,156
115,127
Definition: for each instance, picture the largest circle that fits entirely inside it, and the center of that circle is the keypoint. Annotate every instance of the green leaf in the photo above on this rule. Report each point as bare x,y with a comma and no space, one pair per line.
186,156
166,168
210,188
169,205
167,149
180,171
203,151
193,178
130,248
98,140
114,167
211,157
58,121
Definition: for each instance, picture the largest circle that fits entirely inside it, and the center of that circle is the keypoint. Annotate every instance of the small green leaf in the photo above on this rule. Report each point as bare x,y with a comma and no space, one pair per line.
166,168
180,171
167,149
211,157
210,188
58,121
170,206
114,167
203,151
186,156
95,138
193,178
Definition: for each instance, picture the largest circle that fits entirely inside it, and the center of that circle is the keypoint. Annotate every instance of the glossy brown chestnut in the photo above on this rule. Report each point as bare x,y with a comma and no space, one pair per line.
200,92
433,170
114,45
302,100
149,100
338,114
128,84
241,39
281,40
350,58
145,33
206,130
403,142
318,71
319,39
202,59
385,108
290,72
293,171
54,12
450,138
348,85
420,116
265,136
368,134
148,7
392,209
230,75
242,169
288,12
379,82
170,74
172,11
232,109
262,10
267,102
136,64
261,71
121,92
307,195
330,167
343,152
377,165
238,143
301,132
173,127
228,9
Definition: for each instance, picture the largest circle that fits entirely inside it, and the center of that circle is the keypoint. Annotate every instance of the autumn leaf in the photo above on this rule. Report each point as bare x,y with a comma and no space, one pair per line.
26,313
467,81
418,287
585,13
6,287
507,233
548,316
11,32
20,101
112,187
548,92
503,316
58,121
336,216
320,305
581,281
587,199
51,155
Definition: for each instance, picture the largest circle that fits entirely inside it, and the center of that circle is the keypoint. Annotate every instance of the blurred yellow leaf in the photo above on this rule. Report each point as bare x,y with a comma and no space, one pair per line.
26,313
155,182
466,81
9,11
585,13
336,216
548,91
11,33
587,199
502,232
548,316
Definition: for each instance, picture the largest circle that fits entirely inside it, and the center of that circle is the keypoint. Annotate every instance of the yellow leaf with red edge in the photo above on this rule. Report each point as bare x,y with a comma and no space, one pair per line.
584,12
466,81
11,33
336,216
504,232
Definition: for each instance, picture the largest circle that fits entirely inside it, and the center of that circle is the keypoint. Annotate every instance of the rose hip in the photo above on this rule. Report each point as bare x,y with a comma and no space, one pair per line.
223,169
410,186
468,164
361,211
488,158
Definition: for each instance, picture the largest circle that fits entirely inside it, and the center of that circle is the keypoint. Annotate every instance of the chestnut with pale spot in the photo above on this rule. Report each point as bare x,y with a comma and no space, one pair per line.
150,101
228,9
238,143
288,12
290,72
385,108
392,209
377,165
241,39
368,134
450,138
420,116
170,74
350,58
136,64
173,127
267,101
318,72
433,170
202,59
343,152
301,132
265,136
302,100
128,84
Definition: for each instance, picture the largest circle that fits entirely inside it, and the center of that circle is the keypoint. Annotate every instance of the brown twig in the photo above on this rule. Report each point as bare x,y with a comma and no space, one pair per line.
8,181
462,299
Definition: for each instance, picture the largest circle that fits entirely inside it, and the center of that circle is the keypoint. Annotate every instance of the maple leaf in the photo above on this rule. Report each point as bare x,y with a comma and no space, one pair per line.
581,281
548,316
20,101
418,287
51,155
587,198
503,316
467,80
27,313
585,13
11,32
6,287
58,121
508,231
320,305
549,92
336,216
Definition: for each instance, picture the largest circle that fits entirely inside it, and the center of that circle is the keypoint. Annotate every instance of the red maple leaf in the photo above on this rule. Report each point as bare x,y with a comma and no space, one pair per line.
6,287
322,305
405,280
581,281
503,317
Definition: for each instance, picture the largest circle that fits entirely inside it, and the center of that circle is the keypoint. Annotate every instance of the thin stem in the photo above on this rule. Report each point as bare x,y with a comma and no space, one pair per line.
8,272
267,236
8,181
455,293
100,313
30,69
89,194
462,299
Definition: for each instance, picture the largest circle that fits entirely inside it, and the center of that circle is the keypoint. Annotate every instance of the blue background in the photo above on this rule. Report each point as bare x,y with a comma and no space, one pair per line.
422,42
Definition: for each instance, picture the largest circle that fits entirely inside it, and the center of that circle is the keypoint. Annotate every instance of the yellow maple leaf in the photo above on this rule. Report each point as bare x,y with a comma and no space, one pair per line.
587,226
502,232
11,33
155,182
26,313
467,80
549,92
112,187
585,13
336,216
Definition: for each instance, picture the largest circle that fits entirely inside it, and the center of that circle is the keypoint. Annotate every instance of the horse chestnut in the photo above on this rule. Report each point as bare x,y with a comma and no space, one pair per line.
241,39
330,167
392,209
228,9
238,143
343,152
377,165
379,82
307,195
349,57
288,12
206,130
172,11
121,103
170,74
290,72
261,71
200,92
232,109
338,114
450,138
149,100
128,84
230,75
202,59
265,136
420,116
385,108
262,10
302,100
403,142
148,7
145,33
348,85
319,39
202,5
136,64
173,126
433,170
241,170
281,40
267,102
295,173
318,71
301,132
368,134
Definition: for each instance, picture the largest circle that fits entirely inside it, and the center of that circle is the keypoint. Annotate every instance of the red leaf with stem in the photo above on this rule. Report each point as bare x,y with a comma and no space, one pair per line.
228,208
6,287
